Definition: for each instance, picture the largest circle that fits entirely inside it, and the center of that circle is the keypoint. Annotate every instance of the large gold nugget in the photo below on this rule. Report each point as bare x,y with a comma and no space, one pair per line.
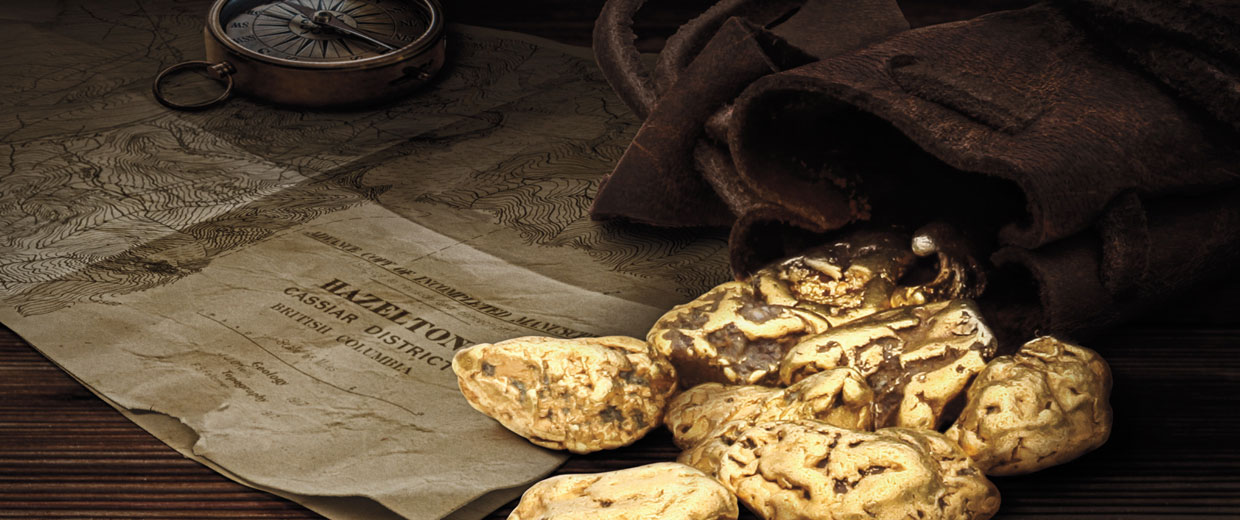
580,395
838,397
1043,406
729,335
918,359
843,280
807,469
664,490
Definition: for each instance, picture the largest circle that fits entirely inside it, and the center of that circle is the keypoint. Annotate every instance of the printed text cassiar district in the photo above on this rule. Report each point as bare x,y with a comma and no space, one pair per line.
402,348
379,306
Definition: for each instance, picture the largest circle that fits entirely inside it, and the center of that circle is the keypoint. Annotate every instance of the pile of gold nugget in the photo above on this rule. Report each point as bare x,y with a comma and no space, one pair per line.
821,388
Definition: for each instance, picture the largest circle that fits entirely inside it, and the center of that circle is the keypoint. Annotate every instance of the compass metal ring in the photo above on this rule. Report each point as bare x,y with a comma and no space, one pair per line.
222,70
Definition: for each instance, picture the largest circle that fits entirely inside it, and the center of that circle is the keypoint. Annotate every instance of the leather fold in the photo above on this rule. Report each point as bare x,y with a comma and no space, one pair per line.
1099,169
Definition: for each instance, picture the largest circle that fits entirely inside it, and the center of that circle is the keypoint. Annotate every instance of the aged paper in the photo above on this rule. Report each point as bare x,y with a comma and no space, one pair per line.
278,293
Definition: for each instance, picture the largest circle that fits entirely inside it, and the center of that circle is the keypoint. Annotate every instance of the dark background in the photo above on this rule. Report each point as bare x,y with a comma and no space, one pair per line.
1173,453
571,21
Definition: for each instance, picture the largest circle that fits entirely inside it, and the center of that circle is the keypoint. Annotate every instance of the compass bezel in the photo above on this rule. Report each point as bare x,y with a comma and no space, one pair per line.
430,38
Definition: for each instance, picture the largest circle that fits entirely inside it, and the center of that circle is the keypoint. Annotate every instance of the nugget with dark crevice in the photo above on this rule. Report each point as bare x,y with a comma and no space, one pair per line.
918,360
958,274
839,397
808,469
844,280
737,332
730,335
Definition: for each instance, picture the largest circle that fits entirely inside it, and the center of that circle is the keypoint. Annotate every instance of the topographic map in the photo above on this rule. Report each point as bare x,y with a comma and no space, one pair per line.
106,193
279,293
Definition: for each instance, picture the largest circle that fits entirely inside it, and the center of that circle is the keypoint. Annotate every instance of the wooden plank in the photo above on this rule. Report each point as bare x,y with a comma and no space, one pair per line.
64,454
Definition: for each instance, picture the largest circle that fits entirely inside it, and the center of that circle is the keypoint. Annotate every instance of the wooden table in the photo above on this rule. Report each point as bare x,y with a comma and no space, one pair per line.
66,454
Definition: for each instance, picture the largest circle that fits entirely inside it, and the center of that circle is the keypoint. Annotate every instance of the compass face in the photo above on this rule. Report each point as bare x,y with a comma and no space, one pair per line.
323,30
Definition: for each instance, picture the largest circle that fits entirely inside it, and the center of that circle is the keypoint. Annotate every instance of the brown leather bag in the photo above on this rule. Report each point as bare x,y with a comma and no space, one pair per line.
1089,148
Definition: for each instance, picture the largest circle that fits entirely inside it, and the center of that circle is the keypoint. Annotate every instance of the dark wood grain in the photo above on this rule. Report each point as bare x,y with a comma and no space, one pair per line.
66,454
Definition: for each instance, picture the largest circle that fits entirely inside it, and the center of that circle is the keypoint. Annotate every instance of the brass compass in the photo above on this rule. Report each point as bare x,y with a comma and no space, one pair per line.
317,53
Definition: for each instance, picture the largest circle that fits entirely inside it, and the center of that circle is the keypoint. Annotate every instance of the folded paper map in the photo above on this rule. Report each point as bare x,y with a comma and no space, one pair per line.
278,293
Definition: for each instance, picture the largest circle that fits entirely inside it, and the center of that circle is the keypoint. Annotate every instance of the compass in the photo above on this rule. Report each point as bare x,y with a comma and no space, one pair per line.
317,53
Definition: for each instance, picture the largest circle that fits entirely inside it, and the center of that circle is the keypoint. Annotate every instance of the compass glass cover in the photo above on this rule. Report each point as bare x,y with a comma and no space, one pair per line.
323,30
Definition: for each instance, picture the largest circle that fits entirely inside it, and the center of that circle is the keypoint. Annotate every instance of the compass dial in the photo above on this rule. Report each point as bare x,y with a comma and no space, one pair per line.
323,30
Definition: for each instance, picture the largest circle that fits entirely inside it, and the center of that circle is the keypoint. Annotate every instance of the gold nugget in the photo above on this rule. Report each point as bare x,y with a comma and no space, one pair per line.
959,275
738,332
1043,406
730,335
918,360
580,395
842,281
839,397
665,490
807,469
